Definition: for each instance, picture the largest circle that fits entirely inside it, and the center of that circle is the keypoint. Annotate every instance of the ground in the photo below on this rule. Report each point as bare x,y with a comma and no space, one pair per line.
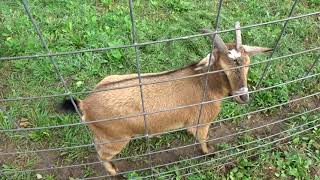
72,25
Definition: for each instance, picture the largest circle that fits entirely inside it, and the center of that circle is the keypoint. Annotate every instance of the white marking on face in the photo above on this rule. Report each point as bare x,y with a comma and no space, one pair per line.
234,54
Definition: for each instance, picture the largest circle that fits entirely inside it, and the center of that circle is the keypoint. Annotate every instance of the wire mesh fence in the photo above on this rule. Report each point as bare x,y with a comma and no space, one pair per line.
193,162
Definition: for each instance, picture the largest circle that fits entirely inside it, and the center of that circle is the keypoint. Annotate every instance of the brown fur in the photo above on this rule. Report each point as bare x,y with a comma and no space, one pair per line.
167,95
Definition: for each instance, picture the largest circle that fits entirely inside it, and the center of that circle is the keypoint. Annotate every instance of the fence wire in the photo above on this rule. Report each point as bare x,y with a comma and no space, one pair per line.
154,42
276,46
205,88
268,140
230,155
227,163
214,122
137,57
162,81
190,145
54,63
163,110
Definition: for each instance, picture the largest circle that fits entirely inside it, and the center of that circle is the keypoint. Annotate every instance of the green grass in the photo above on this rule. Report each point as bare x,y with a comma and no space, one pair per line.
73,25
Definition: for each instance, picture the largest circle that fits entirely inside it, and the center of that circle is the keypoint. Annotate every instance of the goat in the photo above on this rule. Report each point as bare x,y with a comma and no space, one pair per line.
111,136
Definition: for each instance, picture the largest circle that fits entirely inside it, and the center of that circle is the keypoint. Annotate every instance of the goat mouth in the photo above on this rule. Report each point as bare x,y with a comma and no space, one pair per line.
241,96
240,101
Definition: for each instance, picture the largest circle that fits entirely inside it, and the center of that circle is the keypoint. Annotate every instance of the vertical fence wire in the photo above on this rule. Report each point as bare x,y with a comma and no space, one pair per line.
276,46
205,88
315,62
55,65
137,58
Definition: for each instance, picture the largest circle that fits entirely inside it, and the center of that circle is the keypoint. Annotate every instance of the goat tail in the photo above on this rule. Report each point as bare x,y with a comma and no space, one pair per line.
69,104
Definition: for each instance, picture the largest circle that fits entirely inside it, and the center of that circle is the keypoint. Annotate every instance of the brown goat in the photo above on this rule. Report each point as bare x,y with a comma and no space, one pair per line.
112,136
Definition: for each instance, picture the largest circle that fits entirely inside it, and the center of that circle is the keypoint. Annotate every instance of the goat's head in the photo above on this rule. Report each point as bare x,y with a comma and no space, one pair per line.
230,57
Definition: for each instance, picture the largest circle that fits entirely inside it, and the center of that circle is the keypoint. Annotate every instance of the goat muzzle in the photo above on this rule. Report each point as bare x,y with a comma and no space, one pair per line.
242,95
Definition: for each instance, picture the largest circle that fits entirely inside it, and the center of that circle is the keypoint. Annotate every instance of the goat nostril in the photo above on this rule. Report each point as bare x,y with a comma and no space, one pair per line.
244,98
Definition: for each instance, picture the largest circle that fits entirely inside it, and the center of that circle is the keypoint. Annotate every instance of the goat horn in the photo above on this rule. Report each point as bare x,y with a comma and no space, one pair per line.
218,42
207,31
238,36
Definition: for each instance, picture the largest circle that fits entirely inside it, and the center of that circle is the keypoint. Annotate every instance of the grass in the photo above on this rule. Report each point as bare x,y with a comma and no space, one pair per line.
71,25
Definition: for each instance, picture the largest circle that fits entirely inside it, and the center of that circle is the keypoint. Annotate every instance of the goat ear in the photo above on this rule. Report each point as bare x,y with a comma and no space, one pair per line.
253,50
203,65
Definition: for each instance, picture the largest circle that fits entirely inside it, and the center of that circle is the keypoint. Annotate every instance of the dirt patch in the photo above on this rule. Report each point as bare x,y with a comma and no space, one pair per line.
6,146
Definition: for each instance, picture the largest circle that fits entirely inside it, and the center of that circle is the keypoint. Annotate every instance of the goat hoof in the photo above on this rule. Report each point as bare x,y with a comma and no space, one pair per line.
110,168
205,150
112,172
